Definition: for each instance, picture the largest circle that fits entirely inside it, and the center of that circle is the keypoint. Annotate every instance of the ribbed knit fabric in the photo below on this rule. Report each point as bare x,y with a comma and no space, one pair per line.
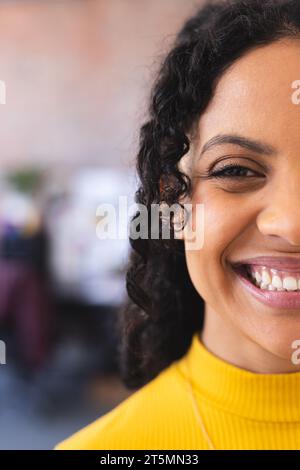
240,410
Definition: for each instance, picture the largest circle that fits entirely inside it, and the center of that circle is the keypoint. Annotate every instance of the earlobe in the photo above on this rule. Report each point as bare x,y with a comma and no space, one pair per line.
179,222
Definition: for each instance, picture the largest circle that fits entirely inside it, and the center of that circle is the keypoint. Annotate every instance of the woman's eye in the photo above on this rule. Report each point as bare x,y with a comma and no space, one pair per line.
234,171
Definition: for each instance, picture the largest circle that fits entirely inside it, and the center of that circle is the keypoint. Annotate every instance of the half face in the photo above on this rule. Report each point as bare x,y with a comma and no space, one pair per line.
245,168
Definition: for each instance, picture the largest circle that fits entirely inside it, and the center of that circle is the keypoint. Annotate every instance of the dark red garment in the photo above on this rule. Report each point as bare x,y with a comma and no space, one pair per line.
25,304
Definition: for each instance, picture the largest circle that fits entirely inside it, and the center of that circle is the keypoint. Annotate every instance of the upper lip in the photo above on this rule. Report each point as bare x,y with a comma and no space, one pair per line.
276,262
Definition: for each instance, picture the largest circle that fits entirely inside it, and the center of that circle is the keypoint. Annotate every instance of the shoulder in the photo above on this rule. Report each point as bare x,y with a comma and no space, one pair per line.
137,422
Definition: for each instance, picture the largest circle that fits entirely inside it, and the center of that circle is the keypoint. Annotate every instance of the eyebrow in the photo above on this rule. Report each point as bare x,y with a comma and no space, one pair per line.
244,142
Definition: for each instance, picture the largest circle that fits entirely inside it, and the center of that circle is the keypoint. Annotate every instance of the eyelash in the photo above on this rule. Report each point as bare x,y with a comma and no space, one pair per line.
221,173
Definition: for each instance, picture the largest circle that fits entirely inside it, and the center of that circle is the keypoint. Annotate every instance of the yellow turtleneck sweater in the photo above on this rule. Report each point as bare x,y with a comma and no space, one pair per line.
240,410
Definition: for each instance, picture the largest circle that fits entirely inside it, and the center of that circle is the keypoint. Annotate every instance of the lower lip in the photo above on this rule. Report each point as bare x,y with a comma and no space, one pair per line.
275,299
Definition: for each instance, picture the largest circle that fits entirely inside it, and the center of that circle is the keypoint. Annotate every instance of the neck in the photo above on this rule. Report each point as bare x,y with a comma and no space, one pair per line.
226,341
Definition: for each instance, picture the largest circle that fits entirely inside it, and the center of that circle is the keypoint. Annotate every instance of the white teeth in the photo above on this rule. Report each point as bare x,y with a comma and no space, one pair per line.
290,283
264,285
277,282
257,277
266,279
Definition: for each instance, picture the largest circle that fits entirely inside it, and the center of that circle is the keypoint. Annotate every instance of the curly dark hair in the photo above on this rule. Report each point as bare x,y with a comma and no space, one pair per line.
163,309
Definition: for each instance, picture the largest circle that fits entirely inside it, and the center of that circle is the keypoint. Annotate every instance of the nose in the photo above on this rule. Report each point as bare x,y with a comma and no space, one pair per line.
280,216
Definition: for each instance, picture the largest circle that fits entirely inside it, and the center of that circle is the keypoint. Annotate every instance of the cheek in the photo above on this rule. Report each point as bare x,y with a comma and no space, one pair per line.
207,275
220,211
226,216
206,266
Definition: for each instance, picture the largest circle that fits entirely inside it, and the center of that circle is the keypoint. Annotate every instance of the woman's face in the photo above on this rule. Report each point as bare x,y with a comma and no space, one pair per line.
255,211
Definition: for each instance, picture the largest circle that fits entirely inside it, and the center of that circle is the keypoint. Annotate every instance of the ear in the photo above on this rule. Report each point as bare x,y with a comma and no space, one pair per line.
166,184
179,222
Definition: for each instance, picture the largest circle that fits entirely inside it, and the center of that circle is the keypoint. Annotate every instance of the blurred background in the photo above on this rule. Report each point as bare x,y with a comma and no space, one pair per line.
77,75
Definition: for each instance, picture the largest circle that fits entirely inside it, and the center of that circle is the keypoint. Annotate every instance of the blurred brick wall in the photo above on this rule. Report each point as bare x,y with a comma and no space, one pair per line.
77,73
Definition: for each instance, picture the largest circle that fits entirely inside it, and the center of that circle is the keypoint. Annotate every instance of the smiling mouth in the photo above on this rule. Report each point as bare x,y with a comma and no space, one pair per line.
277,289
270,279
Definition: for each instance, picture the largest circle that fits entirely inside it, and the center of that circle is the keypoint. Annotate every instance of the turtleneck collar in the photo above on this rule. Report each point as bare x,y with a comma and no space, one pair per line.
263,397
